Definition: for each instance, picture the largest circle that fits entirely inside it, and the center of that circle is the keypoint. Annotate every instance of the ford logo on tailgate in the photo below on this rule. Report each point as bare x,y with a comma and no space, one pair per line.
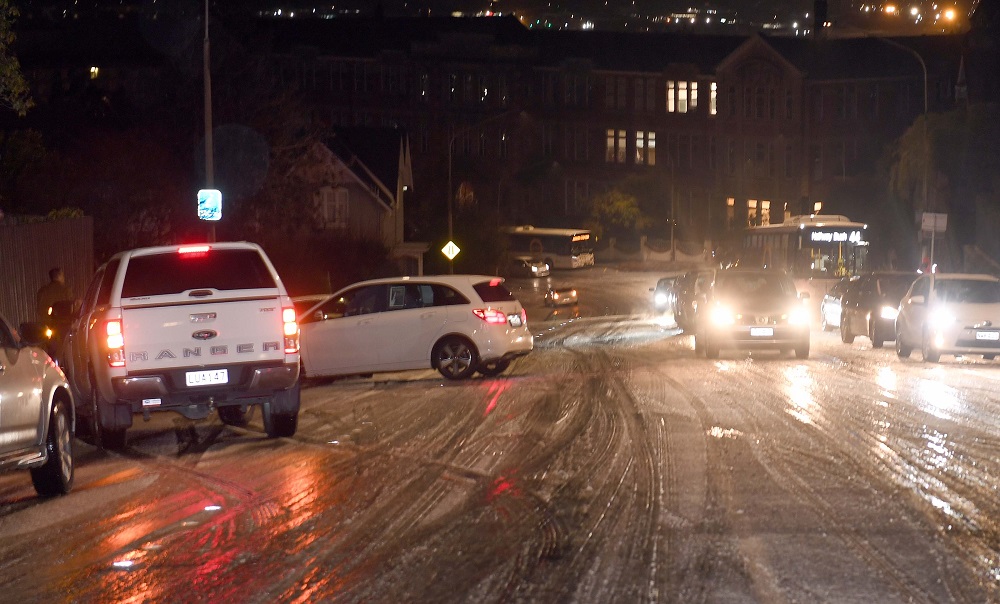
204,334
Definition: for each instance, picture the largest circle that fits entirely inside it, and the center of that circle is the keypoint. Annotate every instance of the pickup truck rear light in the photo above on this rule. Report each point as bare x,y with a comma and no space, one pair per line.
115,343
291,328
491,315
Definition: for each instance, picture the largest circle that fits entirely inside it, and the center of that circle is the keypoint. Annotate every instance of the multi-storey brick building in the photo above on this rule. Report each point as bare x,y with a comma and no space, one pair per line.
736,130
723,131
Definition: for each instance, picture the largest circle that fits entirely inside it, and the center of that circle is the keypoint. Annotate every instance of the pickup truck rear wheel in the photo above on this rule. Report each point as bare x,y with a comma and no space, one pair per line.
281,414
111,439
235,416
55,477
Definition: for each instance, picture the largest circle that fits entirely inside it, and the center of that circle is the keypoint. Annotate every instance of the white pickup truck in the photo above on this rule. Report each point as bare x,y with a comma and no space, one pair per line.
189,329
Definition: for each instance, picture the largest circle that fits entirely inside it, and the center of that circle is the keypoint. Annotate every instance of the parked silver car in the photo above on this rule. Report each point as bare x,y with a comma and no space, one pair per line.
36,411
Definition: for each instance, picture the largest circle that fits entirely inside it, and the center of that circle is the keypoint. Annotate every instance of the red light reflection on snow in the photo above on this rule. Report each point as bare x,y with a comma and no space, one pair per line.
496,388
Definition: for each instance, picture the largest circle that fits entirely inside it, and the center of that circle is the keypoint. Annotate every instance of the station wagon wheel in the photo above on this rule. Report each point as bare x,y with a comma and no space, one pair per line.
494,368
455,358
55,477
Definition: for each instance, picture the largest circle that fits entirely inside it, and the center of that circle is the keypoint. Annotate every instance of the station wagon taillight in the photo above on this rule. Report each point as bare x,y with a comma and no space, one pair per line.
491,315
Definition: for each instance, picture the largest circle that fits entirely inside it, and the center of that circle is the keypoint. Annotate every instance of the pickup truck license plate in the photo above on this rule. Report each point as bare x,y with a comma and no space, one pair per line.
207,378
761,332
988,335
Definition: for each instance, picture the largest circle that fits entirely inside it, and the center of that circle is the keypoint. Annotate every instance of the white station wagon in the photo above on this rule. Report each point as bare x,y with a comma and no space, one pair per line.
457,324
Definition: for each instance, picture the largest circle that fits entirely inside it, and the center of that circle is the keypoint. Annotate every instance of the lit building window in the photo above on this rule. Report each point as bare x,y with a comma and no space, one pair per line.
713,99
94,72
615,147
751,212
671,96
682,97
694,95
765,212
645,148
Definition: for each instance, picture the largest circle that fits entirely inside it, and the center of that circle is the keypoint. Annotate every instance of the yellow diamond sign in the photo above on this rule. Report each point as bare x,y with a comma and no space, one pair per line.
450,250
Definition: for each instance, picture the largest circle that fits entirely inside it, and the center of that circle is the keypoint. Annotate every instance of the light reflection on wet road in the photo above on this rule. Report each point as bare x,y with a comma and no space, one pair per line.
612,464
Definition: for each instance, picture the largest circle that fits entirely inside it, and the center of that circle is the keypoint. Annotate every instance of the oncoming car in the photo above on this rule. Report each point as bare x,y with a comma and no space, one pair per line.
664,294
757,309
954,313
870,304
561,296
456,324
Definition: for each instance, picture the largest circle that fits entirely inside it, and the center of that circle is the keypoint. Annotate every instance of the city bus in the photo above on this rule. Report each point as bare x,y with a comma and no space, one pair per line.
813,246
559,248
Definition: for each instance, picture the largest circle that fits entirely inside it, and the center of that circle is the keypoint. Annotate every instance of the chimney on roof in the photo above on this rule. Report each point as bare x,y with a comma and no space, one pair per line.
820,15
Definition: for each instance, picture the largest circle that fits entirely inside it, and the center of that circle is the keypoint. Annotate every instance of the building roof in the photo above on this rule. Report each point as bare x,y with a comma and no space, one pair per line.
372,153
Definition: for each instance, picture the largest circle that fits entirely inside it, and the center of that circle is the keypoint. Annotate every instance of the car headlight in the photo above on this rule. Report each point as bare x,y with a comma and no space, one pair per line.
939,318
660,299
722,315
798,315
889,313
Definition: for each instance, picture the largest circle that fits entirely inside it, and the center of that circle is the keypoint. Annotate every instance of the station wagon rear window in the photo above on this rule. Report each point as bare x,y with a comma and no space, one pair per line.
173,273
493,291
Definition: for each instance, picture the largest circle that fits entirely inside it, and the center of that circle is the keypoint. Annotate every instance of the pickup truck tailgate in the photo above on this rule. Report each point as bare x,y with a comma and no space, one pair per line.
161,337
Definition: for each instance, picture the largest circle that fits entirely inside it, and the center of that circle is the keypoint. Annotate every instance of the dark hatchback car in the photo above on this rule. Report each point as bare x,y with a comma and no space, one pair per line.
665,293
870,304
753,309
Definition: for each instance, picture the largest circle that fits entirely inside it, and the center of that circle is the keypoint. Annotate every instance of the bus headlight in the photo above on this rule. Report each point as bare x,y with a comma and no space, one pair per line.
889,313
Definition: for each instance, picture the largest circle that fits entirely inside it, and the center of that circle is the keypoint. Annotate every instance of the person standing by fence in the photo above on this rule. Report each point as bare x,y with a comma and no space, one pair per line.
54,291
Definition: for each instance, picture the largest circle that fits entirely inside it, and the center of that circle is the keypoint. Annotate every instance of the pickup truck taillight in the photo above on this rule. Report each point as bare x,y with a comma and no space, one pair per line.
115,343
291,330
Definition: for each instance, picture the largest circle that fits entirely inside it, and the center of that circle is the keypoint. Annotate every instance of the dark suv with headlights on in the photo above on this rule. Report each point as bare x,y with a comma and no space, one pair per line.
753,309
870,304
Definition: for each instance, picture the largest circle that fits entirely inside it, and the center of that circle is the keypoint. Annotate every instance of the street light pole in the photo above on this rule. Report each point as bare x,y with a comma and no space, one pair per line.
209,169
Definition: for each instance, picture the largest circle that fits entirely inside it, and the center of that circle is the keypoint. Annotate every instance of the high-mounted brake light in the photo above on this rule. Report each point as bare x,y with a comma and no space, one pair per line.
491,315
495,281
291,330
115,343
193,249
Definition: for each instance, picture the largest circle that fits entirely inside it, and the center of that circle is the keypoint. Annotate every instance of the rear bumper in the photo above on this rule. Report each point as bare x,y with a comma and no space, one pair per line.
169,389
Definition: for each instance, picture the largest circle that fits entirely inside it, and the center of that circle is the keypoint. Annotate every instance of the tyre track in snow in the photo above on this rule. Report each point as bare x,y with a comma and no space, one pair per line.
802,444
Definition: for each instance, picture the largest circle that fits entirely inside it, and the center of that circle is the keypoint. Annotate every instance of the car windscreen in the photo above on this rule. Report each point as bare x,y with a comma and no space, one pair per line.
174,273
754,285
493,291
967,291
895,287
